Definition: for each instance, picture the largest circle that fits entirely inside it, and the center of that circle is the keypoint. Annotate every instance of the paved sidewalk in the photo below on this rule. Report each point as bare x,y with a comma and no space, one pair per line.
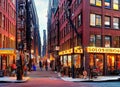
98,79
13,79
52,74
32,74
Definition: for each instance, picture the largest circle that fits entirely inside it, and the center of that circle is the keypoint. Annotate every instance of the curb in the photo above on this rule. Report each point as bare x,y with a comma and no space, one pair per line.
15,81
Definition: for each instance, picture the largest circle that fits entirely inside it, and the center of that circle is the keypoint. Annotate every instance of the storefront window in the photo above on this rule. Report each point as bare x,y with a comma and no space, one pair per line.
116,23
116,4
91,61
107,41
77,60
61,60
69,61
65,61
110,63
99,63
118,62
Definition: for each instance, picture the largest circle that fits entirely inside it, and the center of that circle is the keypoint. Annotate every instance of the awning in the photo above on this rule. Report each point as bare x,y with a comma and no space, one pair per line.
8,51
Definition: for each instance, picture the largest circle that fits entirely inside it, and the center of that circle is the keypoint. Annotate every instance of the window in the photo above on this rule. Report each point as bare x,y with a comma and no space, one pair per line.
95,20
116,42
95,2
92,40
116,23
98,41
92,19
95,40
98,20
79,20
107,22
78,1
107,41
107,3
115,4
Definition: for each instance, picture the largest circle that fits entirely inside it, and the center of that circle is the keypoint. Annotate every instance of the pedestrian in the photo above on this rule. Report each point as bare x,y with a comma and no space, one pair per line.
90,72
13,68
46,65
34,67
40,65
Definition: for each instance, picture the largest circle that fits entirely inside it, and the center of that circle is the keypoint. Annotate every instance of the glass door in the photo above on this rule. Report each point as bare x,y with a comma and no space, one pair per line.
111,63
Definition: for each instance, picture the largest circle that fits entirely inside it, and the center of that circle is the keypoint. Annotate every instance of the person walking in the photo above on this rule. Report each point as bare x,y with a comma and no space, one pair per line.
46,65
40,65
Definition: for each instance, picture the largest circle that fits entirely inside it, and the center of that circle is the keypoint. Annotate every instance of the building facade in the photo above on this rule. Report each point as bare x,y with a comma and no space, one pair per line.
28,35
96,38
7,33
44,44
53,31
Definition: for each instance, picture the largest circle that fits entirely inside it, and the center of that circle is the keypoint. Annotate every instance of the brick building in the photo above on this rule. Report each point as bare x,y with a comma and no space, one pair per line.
97,45
7,33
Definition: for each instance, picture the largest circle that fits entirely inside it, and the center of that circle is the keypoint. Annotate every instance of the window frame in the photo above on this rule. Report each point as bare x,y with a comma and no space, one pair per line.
93,19
108,7
107,26
118,23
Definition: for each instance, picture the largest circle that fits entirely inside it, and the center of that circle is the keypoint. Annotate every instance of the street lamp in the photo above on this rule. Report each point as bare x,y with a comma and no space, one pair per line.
57,60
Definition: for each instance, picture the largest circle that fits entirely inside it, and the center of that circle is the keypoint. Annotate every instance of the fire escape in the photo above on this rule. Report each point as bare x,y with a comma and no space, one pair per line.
20,36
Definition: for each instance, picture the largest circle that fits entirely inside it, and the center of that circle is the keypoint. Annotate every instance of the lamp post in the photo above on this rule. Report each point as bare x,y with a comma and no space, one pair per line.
57,62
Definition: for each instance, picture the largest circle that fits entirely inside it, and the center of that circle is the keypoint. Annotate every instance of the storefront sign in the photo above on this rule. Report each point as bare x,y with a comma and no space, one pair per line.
103,50
7,51
69,51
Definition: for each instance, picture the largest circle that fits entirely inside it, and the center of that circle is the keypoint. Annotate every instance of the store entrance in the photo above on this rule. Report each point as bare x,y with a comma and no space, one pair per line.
96,61
111,64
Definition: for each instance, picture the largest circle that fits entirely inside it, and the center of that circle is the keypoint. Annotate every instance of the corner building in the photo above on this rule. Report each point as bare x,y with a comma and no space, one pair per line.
7,33
98,43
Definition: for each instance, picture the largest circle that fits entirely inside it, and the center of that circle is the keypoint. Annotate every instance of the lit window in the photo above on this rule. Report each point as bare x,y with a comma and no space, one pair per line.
107,41
79,20
98,20
107,3
107,22
98,2
92,2
115,4
92,19
95,20
116,23
95,2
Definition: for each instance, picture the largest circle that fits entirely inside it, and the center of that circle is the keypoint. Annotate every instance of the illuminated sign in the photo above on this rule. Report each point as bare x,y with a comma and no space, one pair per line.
7,51
77,49
103,50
